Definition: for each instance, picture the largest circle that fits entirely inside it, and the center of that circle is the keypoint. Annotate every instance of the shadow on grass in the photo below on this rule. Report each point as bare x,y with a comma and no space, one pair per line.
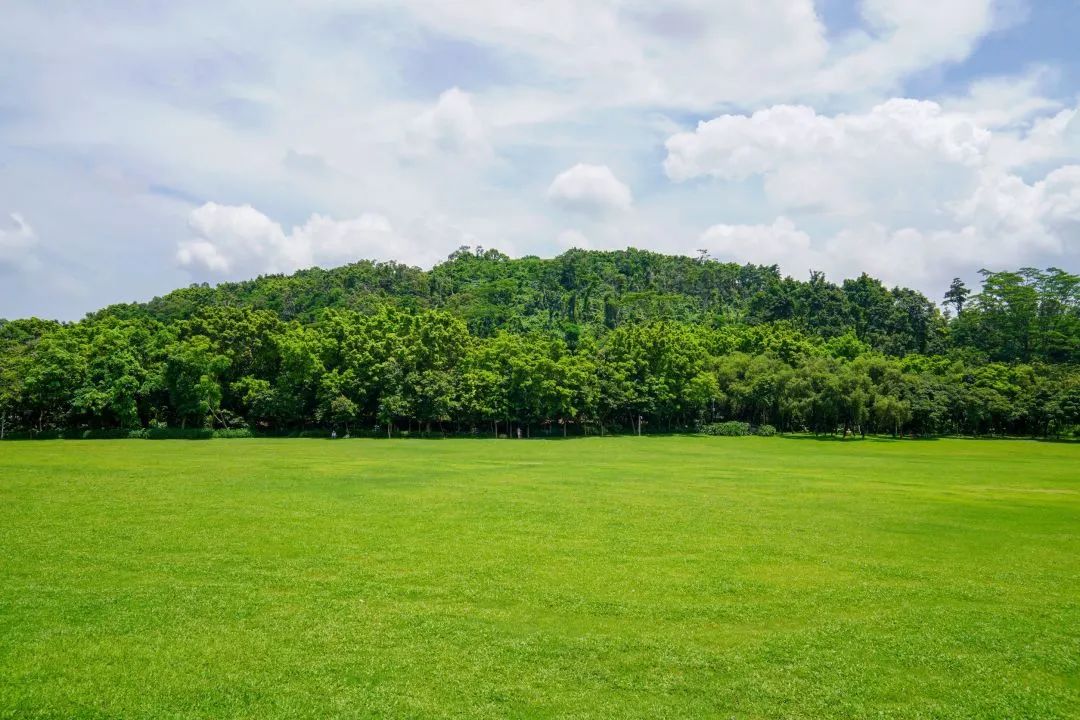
858,438
926,438
804,437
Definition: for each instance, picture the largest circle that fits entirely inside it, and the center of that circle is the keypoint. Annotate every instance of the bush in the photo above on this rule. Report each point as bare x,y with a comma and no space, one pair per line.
234,433
765,430
731,428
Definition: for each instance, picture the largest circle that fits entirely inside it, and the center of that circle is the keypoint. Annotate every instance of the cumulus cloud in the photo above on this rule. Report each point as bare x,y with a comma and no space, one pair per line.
1059,204
17,245
895,159
1002,224
780,243
1049,138
589,189
908,189
317,107
571,239
450,126
231,240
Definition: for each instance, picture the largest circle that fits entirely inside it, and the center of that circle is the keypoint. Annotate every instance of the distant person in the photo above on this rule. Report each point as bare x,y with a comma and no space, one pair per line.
333,434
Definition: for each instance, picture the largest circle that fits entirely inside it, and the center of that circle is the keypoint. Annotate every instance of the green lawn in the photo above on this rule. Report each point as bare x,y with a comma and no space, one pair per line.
603,578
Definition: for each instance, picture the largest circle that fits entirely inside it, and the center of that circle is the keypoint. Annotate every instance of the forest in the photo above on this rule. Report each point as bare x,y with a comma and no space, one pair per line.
585,343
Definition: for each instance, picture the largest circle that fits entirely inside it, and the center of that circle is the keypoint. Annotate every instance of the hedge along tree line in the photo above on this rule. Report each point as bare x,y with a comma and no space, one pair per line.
583,343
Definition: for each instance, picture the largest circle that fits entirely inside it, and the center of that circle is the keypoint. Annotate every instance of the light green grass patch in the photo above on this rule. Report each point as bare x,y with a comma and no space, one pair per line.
618,577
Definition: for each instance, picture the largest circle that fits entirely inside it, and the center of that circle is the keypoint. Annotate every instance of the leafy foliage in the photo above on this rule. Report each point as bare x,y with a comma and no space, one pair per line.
731,428
588,342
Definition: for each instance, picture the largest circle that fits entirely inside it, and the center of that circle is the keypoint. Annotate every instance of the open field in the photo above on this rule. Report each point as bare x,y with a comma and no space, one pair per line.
619,577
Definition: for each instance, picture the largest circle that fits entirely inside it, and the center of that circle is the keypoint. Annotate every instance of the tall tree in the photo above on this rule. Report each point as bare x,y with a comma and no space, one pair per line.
957,295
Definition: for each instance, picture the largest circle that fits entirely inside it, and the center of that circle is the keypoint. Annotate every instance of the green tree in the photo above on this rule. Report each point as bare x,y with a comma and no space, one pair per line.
192,376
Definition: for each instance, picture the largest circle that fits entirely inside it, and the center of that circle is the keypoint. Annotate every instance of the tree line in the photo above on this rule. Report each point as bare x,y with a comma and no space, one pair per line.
589,342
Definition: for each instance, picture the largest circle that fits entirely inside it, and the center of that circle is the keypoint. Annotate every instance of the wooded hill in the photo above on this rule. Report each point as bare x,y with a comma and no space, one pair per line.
587,341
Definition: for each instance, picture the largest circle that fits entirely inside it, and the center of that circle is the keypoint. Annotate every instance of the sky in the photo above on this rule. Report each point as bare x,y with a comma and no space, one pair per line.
146,146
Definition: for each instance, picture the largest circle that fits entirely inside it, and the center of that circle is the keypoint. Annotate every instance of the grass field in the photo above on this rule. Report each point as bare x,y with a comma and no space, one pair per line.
603,578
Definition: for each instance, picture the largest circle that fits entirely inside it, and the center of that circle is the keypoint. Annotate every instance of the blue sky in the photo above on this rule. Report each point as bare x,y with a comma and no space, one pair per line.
145,148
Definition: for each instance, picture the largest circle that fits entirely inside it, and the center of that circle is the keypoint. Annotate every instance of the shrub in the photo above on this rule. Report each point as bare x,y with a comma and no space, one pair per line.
765,430
731,428
234,433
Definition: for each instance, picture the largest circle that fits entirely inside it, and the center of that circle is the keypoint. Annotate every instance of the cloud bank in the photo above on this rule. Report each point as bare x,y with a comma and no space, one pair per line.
170,143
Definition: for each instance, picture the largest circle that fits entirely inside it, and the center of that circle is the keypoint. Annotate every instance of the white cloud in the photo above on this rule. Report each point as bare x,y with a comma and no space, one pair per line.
905,37
238,241
450,126
703,53
1059,197
1002,224
898,158
140,115
589,189
571,239
630,52
780,243
907,190
1001,102
1049,138
17,245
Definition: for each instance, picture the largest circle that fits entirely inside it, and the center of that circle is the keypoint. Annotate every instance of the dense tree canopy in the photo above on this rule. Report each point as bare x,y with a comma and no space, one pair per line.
585,342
